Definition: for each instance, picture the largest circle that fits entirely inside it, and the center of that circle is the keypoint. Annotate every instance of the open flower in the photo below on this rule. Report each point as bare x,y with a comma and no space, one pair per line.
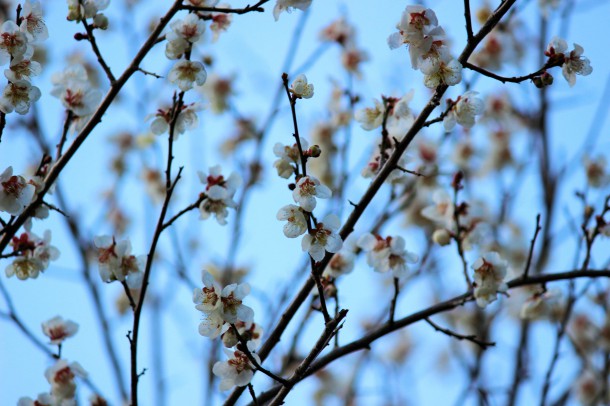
32,23
18,96
61,377
387,254
489,274
232,308
117,263
306,191
75,91
15,192
33,255
185,74
440,71
370,117
300,88
58,329
463,111
13,42
296,224
237,371
323,238
289,157
208,298
219,194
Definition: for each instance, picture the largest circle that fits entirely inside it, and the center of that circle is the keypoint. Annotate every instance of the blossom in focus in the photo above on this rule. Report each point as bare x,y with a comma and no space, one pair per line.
489,273
18,96
387,254
58,329
219,194
13,43
300,88
306,191
323,238
438,71
15,192
183,34
251,332
185,74
207,299
33,24
574,63
463,111
237,371
232,309
187,120
289,5
22,69
82,9
296,223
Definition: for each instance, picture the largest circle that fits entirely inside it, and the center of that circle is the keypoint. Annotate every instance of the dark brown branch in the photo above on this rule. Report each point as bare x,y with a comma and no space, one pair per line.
257,7
64,134
468,18
473,338
532,243
98,54
504,79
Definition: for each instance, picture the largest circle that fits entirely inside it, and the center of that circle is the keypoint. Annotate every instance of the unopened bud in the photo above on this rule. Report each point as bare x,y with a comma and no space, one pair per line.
314,151
100,21
441,237
547,79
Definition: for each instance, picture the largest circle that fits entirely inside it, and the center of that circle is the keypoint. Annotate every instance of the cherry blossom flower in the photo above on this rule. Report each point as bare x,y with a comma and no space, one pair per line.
441,212
289,158
296,224
15,192
18,96
22,69
34,255
33,24
339,31
351,58
306,191
58,329
251,332
463,111
220,22
208,298
183,34
185,74
232,308
187,120
540,305
370,117
419,30
117,263
82,9
61,377
340,264
323,238
75,91
289,5
237,371
217,90
574,63
300,88
588,388
212,325
43,399
219,194
439,71
489,274
387,254
13,42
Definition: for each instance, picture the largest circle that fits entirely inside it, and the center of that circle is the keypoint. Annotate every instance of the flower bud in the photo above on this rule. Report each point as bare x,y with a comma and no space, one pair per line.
314,151
441,237
100,21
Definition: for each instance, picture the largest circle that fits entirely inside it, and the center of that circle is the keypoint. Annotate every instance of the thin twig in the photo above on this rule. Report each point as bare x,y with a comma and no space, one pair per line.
96,51
532,243
473,338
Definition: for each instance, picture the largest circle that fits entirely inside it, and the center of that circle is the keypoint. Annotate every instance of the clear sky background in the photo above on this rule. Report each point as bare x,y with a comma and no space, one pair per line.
254,49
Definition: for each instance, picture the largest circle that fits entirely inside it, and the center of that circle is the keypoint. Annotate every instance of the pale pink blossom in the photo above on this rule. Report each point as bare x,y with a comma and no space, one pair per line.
489,273
117,263
289,5
58,329
61,376
237,371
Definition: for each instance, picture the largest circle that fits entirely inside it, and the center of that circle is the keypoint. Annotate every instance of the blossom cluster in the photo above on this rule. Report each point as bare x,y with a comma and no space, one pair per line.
32,255
573,63
17,41
428,46
116,263
225,315
218,195
387,254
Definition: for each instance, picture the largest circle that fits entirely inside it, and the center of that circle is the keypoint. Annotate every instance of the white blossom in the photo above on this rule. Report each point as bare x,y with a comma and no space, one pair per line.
300,88
18,96
13,42
232,308
306,191
219,194
489,274
33,24
441,212
463,111
185,74
440,71
15,192
75,91
237,371
296,223
370,117
387,254
289,157
61,377
117,263
58,329
323,238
